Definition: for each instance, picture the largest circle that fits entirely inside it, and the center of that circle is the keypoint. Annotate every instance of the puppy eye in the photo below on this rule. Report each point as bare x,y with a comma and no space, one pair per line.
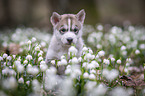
62,30
76,30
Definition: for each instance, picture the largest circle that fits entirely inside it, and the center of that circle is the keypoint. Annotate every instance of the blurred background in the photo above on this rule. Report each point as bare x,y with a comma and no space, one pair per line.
36,13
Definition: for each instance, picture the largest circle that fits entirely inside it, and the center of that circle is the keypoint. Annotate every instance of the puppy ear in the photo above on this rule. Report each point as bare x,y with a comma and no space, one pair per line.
55,18
81,16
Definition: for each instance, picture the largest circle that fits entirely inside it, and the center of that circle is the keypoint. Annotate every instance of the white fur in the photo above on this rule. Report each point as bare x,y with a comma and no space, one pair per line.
69,22
58,45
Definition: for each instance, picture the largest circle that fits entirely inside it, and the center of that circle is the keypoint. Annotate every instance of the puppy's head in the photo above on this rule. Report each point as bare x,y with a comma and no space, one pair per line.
68,27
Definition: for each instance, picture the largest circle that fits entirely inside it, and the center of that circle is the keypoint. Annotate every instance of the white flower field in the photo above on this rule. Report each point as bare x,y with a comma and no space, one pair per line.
112,63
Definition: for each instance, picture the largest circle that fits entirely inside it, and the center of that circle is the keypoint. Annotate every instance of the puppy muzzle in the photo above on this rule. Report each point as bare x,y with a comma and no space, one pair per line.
69,40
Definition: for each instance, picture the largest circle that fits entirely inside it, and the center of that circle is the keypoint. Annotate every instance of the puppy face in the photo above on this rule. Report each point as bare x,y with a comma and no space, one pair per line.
68,27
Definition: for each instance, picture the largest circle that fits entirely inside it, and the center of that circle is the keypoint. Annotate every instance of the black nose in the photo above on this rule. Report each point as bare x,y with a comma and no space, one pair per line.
69,40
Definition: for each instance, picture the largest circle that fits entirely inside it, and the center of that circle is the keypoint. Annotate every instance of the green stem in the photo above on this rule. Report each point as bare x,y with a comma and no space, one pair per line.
1,69
101,70
144,71
123,70
18,75
56,63
82,86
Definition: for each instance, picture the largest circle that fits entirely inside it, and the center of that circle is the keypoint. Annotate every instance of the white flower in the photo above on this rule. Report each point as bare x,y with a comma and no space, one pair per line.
67,88
70,61
93,56
80,59
106,61
32,70
118,61
10,67
85,49
62,57
123,48
126,70
40,58
97,56
90,85
74,60
39,54
119,91
42,63
111,56
19,58
95,63
29,42
63,62
1,58
35,82
5,55
90,51
29,66
9,58
100,90
51,70
137,52
28,57
59,63
20,68
4,64
12,72
53,62
92,71
33,39
17,63
77,72
5,71
25,61
10,83
110,75
92,76
14,56
86,75
68,66
68,71
128,60
43,67
100,27
28,83
22,43
124,53
36,85
127,64
99,46
90,66
142,46
72,50
101,53
43,44
112,59
88,56
85,64
35,70
21,80
37,48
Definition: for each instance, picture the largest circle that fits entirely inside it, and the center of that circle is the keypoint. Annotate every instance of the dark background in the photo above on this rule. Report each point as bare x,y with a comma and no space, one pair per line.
36,13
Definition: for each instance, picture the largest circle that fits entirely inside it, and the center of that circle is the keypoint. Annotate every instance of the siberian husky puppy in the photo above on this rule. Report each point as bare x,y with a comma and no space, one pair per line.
67,30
